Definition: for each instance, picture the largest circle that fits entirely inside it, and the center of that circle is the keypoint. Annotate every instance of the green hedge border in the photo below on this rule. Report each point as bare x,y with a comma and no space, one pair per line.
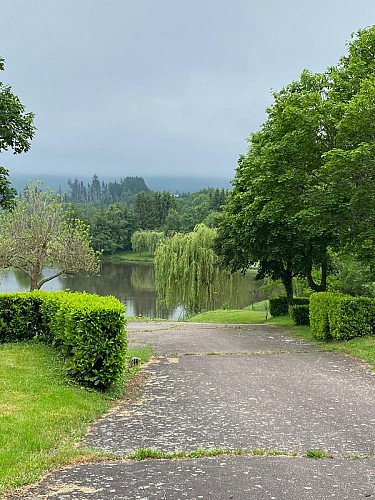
335,316
89,331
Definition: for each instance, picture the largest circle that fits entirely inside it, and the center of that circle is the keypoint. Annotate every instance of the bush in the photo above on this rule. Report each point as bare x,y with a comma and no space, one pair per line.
341,317
89,330
301,301
300,314
320,305
278,306
352,317
20,316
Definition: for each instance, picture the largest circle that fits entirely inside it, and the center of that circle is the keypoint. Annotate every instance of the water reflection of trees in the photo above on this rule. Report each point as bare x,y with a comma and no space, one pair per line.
22,279
134,285
143,277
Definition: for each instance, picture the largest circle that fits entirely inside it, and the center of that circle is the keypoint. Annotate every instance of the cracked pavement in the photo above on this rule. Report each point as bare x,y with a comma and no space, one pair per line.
232,387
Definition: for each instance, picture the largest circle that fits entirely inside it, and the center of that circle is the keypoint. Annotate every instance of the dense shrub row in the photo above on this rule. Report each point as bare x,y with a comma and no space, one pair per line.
300,314
341,317
89,330
279,305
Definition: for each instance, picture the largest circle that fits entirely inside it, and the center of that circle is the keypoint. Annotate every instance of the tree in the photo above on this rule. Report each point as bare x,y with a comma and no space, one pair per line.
16,132
39,233
152,208
307,182
187,271
112,227
146,241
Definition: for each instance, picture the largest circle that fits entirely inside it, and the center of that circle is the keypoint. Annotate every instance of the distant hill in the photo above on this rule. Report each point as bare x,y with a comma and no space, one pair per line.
55,182
186,184
174,185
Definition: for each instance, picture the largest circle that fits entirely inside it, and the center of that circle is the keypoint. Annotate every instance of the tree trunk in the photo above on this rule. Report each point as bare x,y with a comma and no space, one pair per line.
287,280
322,287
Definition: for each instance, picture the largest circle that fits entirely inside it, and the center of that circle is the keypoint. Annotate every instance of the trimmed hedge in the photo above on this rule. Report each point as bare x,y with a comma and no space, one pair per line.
341,317
279,305
87,329
352,317
320,304
300,314
20,316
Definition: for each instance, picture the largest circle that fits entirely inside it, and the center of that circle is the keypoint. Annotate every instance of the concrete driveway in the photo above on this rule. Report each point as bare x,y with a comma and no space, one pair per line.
241,388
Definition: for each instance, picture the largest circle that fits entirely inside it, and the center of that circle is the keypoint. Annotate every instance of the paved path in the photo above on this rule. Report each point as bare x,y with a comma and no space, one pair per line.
232,387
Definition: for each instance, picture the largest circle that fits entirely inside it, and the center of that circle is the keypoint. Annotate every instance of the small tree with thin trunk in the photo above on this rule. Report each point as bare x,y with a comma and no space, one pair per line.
39,233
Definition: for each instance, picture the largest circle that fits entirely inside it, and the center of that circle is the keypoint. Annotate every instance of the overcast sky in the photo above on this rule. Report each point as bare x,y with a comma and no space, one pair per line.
159,87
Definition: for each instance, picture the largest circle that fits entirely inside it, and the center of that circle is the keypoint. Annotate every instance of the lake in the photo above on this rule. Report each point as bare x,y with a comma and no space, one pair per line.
133,283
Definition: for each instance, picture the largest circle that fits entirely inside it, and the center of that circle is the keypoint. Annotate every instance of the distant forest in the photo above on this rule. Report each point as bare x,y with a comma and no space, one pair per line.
102,192
115,210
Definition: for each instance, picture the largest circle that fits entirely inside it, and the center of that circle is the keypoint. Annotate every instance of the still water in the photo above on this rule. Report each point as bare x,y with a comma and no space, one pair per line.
132,283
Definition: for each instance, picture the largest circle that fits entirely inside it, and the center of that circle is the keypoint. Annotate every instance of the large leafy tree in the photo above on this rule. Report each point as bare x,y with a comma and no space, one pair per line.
187,271
39,233
16,131
112,228
307,183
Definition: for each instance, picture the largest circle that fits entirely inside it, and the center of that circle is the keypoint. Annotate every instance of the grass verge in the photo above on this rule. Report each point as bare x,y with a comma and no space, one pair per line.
231,316
361,347
128,256
42,417
150,453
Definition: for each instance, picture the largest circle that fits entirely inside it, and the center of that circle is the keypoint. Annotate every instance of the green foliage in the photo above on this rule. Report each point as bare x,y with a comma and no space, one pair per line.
300,314
352,277
278,306
352,317
42,417
230,316
316,453
187,271
152,209
87,329
301,301
20,317
16,126
200,207
306,183
16,131
7,193
341,317
320,305
112,228
39,233
146,241
98,192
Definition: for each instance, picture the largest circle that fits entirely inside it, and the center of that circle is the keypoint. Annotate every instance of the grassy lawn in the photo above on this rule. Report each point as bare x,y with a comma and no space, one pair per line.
42,416
128,256
229,316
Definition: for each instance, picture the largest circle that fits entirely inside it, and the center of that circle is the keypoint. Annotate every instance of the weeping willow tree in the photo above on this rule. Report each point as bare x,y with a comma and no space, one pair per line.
187,271
146,241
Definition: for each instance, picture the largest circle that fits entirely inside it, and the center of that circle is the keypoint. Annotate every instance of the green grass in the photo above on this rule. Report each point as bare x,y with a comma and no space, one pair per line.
257,306
313,453
360,347
42,416
150,453
128,256
229,316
